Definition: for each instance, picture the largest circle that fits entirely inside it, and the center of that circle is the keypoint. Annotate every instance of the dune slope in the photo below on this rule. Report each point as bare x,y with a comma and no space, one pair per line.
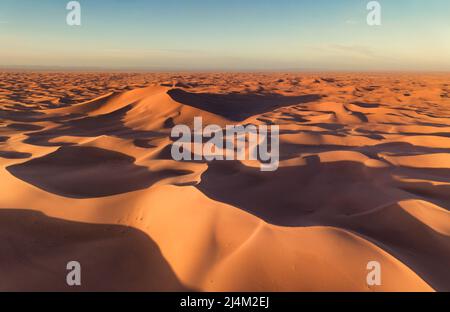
87,176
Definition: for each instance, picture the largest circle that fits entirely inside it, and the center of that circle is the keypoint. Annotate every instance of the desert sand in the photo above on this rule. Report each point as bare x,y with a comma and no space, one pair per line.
86,174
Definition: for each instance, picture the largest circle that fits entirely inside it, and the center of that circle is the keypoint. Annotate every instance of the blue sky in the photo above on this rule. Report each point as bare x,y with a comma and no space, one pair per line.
227,35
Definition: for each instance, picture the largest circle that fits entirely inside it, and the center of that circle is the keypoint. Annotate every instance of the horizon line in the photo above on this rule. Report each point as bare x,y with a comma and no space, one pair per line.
147,69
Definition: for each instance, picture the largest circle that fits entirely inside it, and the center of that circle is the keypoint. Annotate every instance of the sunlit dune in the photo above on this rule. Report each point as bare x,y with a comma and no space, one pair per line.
86,174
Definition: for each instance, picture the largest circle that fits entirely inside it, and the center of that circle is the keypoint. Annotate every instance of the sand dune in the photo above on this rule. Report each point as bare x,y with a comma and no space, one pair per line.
87,175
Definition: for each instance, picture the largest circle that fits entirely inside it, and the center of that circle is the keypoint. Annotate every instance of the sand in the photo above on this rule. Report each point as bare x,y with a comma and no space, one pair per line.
86,175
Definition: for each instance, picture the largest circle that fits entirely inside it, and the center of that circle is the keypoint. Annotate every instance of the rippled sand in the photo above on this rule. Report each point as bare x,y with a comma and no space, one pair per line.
86,174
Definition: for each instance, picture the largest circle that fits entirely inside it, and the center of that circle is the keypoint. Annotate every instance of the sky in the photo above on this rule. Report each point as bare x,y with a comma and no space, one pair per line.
234,35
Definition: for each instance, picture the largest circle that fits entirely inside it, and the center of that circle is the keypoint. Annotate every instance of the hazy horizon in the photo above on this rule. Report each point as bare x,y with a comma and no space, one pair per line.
198,35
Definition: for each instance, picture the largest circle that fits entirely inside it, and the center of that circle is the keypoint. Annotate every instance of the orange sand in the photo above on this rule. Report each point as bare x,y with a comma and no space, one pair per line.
86,175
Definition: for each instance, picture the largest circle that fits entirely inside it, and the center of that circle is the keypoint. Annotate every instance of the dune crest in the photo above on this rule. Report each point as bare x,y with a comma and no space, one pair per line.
364,175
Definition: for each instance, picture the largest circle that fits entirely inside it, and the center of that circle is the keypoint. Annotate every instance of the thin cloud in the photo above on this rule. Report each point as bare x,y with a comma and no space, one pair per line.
357,50
351,22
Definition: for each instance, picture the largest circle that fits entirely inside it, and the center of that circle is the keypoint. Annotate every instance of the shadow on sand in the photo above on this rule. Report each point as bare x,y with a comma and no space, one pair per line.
238,107
36,248
88,172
